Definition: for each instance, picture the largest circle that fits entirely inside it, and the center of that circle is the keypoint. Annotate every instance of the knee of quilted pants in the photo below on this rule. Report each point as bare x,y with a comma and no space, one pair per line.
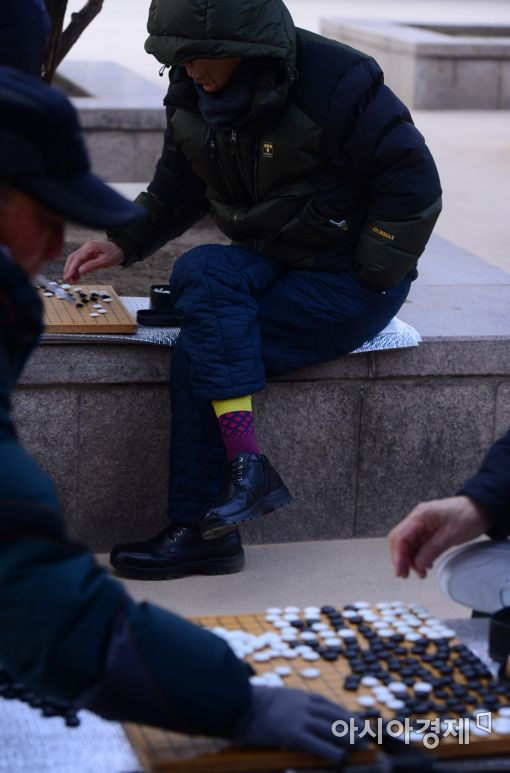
219,272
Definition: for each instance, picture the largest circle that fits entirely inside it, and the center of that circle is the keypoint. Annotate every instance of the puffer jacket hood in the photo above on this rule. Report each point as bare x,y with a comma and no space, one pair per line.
182,30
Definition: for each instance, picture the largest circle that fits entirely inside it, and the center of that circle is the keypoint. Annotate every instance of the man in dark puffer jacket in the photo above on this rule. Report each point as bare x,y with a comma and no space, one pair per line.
314,169
66,628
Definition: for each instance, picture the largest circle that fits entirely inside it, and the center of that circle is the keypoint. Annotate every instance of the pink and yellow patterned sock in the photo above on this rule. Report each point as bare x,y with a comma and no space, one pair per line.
235,419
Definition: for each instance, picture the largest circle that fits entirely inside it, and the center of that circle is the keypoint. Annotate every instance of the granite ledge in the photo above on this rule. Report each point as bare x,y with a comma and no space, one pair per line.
75,364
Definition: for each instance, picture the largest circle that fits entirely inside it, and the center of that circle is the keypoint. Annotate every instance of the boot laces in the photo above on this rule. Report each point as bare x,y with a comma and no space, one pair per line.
178,533
238,469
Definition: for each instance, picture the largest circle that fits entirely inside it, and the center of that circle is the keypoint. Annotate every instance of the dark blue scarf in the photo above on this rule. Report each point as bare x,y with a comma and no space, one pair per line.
221,110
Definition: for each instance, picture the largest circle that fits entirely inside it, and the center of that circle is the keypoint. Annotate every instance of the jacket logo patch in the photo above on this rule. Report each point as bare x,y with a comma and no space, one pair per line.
385,234
267,149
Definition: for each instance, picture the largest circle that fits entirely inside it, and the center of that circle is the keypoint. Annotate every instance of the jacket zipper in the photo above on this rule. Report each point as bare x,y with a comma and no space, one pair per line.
256,154
214,155
234,151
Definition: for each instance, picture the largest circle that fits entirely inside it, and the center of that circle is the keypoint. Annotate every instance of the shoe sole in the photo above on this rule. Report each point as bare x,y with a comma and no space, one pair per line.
271,502
478,575
219,566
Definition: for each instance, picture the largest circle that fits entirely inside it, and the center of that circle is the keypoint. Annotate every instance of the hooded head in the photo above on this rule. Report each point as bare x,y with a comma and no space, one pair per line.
183,30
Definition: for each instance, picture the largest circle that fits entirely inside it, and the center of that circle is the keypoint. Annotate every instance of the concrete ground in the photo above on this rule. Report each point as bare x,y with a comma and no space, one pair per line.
333,572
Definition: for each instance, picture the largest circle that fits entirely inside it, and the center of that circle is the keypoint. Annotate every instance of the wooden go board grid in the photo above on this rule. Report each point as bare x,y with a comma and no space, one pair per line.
168,752
60,316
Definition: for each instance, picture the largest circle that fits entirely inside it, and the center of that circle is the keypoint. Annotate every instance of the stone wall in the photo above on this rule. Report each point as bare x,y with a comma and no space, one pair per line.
359,440
435,66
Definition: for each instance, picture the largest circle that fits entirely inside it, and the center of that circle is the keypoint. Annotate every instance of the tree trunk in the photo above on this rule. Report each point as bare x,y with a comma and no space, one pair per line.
56,11
60,42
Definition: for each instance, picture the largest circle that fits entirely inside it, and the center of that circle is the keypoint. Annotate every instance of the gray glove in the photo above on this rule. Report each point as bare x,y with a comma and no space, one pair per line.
293,719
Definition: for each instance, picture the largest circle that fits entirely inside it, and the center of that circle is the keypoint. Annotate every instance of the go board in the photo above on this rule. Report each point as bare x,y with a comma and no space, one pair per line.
461,686
60,316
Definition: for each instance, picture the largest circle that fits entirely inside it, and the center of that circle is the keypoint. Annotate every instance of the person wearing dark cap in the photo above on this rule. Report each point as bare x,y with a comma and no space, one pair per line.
66,628
315,171
24,28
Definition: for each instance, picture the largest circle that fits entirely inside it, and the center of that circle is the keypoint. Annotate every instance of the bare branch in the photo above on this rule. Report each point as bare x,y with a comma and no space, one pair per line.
60,42
56,11
79,22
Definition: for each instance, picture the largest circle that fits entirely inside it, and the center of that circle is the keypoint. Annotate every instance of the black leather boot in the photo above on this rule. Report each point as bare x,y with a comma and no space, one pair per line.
253,488
178,551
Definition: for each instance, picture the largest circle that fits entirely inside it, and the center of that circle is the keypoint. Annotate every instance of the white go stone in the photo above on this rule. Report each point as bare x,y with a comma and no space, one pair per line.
504,711
65,287
370,681
386,632
395,705
308,636
310,673
310,656
283,670
273,680
93,314
261,657
398,688
103,311
289,654
501,725
346,633
320,627
361,605
412,636
366,700
332,641
422,688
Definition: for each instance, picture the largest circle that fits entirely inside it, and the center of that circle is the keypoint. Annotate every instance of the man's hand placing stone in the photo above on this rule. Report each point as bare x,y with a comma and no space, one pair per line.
430,529
92,256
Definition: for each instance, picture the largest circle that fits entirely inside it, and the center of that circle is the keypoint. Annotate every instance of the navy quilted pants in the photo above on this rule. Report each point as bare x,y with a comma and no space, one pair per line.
245,318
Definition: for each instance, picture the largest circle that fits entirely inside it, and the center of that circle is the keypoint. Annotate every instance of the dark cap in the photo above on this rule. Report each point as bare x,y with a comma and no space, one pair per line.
42,152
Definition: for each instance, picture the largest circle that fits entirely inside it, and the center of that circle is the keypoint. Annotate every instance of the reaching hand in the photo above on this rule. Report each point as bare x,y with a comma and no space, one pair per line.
293,719
90,257
430,529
